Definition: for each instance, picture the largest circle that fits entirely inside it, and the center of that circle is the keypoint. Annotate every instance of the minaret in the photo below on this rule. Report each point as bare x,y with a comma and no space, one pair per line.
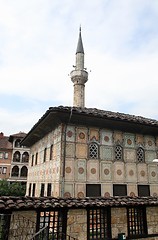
79,76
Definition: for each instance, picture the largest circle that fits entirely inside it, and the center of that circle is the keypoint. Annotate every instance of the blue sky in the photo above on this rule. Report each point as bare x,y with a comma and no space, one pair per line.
38,40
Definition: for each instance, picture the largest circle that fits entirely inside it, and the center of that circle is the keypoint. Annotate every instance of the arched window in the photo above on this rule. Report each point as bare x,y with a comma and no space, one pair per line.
16,156
15,171
140,155
118,153
93,151
17,143
25,157
24,171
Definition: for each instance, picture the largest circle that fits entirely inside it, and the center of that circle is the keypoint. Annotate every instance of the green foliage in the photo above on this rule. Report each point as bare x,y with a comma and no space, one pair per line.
12,189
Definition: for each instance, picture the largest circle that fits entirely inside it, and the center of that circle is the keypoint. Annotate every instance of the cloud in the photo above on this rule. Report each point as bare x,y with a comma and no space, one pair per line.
38,41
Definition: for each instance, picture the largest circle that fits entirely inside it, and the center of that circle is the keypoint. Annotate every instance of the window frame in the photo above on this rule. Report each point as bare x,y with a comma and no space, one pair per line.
49,189
143,155
42,190
45,155
51,152
33,189
56,221
143,189
97,150
98,223
4,170
122,190
136,222
116,157
90,186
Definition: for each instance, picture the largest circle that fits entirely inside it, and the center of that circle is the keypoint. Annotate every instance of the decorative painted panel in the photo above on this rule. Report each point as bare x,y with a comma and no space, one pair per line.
81,135
129,140
80,190
70,150
106,190
80,170
81,150
70,134
142,173
106,153
149,143
153,173
118,137
94,134
132,190
68,190
154,190
139,139
150,156
106,173
131,172
69,170
118,172
129,155
106,137
93,170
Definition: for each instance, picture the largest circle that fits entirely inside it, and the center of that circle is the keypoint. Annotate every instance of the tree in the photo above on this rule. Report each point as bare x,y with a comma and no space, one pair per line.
12,189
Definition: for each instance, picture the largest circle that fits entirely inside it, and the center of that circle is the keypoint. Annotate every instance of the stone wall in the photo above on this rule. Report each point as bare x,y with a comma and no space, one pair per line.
22,225
77,223
118,221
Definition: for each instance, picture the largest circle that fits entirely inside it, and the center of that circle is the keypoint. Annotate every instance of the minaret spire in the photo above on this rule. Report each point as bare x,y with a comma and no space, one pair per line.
79,76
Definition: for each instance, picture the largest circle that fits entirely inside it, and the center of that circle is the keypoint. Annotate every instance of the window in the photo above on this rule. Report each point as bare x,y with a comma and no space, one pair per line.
45,155
93,151
137,224
93,190
143,190
16,156
1,154
51,152
118,153
17,143
4,226
4,170
98,223
23,171
33,189
42,190
15,171
49,189
25,157
0,170
56,222
119,190
36,158
6,155
30,189
32,162
140,155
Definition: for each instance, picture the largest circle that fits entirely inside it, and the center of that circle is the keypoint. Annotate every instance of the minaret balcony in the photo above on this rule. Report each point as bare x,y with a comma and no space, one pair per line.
81,76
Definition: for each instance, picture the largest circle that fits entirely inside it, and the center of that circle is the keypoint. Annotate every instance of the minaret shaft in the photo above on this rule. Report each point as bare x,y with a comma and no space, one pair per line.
79,76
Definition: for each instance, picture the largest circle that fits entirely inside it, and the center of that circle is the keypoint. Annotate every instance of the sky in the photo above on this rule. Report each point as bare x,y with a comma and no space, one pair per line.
38,40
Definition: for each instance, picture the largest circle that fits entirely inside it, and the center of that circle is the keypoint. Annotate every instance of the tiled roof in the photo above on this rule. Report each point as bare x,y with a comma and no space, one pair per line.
108,114
19,135
26,203
4,143
89,116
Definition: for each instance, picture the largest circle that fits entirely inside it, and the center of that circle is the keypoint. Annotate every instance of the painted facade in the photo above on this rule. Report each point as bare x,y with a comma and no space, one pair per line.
80,169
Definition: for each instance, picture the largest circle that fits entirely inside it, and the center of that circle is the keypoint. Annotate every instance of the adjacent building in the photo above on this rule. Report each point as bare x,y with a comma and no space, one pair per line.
5,156
14,158
20,159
